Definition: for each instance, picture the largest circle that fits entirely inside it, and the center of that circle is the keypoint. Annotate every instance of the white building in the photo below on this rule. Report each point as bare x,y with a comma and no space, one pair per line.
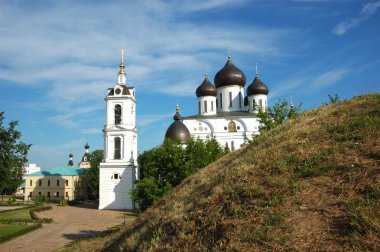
31,168
119,170
224,113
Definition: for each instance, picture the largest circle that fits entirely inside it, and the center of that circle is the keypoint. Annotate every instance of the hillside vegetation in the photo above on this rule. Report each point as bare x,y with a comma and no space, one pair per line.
312,183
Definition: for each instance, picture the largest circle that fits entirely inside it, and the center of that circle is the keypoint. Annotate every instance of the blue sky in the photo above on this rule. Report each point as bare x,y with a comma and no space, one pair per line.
57,59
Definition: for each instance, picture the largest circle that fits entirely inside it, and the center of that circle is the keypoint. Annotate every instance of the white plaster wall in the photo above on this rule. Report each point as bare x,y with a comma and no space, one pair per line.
225,90
208,99
257,98
128,112
114,194
215,127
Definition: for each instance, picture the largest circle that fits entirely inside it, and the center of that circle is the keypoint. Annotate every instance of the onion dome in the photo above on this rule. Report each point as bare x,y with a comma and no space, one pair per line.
229,75
87,146
71,155
206,88
246,101
70,163
177,131
257,86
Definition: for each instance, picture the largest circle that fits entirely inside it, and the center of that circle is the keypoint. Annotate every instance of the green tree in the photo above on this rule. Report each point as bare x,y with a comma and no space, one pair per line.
165,166
277,114
92,174
13,155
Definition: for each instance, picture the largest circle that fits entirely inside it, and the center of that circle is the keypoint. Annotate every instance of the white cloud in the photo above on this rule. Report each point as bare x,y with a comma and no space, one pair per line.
366,12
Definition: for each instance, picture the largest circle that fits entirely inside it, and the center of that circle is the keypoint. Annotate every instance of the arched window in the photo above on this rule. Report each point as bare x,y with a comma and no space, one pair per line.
240,98
117,154
199,107
221,100
117,114
205,103
230,99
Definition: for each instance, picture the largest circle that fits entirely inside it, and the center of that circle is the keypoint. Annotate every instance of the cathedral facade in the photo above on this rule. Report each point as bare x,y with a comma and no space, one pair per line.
119,171
225,113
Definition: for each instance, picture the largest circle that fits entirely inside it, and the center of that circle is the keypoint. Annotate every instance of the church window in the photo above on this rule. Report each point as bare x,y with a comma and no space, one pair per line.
57,182
39,193
57,194
67,194
221,101
230,99
240,98
216,102
212,105
261,103
199,107
48,194
30,194
117,154
117,114
40,182
67,182
132,110
31,183
205,103
253,104
49,182
232,145
116,176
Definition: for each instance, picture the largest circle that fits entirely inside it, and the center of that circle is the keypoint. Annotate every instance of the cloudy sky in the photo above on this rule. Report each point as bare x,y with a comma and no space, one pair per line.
57,59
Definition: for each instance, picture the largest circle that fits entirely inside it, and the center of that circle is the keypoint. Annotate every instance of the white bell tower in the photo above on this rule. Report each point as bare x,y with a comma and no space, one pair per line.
119,170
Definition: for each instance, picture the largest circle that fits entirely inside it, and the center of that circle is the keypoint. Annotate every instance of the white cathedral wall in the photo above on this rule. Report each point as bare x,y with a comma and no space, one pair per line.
114,193
211,105
258,98
218,128
237,103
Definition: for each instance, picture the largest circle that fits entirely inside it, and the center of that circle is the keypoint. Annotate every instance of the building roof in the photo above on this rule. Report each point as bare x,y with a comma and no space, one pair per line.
257,87
59,171
206,88
178,131
222,115
229,75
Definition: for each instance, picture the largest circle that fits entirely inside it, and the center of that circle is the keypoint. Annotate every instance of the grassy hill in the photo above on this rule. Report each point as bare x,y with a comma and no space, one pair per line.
313,183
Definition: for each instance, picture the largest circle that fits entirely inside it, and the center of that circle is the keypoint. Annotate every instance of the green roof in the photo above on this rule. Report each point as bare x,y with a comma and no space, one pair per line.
59,171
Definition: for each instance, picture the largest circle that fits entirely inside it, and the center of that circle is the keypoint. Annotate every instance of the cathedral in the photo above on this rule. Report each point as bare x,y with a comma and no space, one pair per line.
224,112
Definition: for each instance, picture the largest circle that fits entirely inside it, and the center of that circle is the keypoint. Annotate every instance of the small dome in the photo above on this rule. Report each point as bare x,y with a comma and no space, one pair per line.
257,87
246,100
229,75
71,155
177,131
206,88
87,146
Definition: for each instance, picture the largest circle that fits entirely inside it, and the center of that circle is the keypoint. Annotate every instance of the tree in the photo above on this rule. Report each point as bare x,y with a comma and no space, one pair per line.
92,174
13,155
276,115
165,166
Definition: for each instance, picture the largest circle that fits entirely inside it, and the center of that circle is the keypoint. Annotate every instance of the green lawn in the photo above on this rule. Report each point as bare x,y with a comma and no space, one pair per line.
9,231
22,213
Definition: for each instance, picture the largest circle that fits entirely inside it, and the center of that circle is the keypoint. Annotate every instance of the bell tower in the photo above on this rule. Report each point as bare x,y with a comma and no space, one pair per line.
119,170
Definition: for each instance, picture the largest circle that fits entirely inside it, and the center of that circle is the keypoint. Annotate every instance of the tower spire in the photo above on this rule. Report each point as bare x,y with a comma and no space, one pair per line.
121,76
257,71
229,52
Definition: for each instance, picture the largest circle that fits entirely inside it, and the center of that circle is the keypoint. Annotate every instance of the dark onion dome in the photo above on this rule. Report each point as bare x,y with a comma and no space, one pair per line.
177,131
246,100
87,146
229,75
71,155
206,88
257,87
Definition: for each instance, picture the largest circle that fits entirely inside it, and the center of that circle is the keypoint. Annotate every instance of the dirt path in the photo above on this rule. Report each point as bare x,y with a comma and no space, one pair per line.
69,224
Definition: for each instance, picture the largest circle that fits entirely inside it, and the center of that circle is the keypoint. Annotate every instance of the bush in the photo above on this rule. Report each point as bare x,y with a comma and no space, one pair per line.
20,232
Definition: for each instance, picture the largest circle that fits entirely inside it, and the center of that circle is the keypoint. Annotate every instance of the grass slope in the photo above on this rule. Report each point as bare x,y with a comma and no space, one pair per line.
310,184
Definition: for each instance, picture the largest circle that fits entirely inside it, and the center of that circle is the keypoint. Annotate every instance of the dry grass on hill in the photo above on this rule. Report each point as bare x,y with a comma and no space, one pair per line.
310,184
